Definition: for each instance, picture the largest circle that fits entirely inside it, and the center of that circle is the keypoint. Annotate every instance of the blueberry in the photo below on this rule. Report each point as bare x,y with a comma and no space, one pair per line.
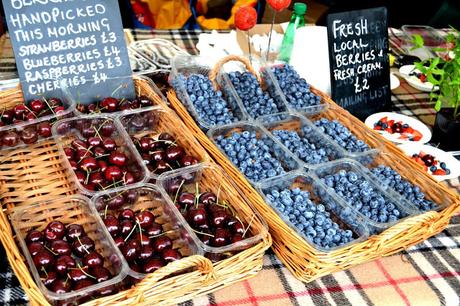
405,188
295,89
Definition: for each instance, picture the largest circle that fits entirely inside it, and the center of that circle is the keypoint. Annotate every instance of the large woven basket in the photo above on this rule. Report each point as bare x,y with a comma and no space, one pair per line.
303,260
34,174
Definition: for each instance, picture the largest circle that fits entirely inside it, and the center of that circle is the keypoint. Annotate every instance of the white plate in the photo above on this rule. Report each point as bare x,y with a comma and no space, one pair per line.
452,163
394,81
414,81
413,123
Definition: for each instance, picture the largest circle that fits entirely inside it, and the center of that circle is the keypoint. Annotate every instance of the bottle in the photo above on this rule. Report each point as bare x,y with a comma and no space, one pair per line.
297,21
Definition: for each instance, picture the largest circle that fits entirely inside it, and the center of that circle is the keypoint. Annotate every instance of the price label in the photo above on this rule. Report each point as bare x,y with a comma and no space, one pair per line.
358,53
76,43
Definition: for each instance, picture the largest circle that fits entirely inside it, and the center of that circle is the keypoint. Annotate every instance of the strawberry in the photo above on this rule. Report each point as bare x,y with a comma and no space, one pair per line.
439,172
417,135
245,18
422,78
279,5
384,119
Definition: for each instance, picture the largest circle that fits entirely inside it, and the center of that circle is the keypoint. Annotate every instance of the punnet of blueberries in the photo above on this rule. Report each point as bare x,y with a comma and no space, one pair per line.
311,219
341,135
208,104
363,196
304,148
296,89
256,101
412,193
257,158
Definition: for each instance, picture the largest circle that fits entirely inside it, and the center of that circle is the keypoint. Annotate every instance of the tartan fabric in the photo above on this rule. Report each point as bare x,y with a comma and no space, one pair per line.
426,274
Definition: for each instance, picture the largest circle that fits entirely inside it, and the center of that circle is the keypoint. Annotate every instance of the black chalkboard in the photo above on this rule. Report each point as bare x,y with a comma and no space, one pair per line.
358,48
78,44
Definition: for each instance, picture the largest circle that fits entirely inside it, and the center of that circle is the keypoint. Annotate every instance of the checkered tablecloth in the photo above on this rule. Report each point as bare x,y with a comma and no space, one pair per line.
427,274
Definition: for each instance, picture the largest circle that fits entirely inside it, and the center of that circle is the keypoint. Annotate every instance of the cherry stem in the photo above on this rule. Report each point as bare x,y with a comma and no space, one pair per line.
249,45
196,194
140,230
97,132
44,270
88,149
178,190
162,234
206,234
49,106
105,211
87,274
84,246
218,193
52,252
130,233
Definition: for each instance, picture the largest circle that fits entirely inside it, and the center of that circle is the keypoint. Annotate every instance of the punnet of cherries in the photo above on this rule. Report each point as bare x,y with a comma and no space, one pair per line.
140,238
66,258
213,220
162,153
98,158
28,113
111,105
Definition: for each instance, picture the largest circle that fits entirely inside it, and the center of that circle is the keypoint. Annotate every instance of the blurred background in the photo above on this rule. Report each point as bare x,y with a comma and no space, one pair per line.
218,14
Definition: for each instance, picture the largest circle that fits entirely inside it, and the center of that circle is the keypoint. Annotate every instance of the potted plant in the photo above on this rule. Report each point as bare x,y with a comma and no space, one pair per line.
444,71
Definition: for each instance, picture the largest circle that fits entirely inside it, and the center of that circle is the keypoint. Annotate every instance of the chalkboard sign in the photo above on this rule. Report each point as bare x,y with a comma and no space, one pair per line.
76,44
358,47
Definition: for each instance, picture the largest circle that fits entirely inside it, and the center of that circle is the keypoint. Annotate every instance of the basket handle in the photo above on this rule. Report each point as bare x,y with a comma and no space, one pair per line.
229,58
203,265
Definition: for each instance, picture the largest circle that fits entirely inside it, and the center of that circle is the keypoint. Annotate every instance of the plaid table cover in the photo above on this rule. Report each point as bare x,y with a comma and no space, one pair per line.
426,274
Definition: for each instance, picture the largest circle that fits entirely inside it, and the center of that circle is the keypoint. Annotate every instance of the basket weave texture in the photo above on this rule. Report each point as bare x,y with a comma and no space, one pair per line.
36,173
302,259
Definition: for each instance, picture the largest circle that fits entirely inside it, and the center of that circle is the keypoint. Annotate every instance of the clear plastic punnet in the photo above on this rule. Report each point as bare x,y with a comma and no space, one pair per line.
313,147
342,168
369,140
33,121
165,229
71,210
345,218
389,171
94,100
159,123
213,192
303,100
286,161
108,135
248,107
183,67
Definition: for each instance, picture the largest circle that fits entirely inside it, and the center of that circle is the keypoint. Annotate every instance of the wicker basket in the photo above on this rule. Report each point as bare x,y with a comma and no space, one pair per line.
304,261
34,174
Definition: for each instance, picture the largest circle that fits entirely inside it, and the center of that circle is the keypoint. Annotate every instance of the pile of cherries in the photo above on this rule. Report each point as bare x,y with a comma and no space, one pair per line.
162,153
66,259
98,162
21,113
141,240
213,221
111,105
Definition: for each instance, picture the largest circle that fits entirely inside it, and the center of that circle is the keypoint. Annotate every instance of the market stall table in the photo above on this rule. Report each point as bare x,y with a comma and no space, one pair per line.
426,274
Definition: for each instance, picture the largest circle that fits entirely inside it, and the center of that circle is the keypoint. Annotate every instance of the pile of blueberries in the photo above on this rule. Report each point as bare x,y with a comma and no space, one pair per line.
302,147
412,193
209,105
341,135
251,155
362,196
256,101
311,219
295,88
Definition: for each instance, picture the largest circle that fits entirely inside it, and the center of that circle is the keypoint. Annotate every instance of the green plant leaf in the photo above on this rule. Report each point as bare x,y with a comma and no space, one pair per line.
417,41
438,105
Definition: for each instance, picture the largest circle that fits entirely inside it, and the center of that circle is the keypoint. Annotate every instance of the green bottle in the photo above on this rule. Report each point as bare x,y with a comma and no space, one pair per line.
297,21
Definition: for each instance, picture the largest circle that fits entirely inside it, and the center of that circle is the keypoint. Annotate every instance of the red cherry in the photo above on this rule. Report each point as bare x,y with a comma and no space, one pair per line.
170,255
109,105
60,286
146,253
43,259
10,139
44,129
112,225
88,164
131,249
74,231
94,141
188,160
20,111
29,135
73,165
245,18
60,247
145,219
279,5
76,275
113,173
83,246
93,259
100,273
129,178
161,243
152,265
34,236
117,158
64,263
126,214
54,231
109,144
35,247
107,129
83,284
36,106
49,278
